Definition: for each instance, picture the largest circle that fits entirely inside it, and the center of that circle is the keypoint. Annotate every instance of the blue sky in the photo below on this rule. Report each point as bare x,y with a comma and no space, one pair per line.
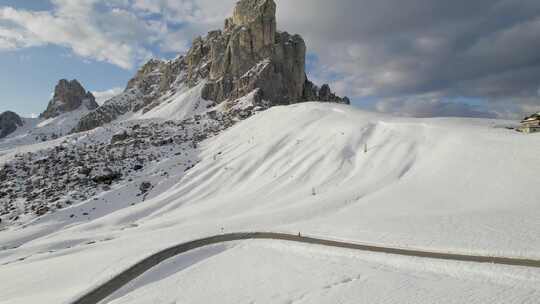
27,4
434,58
28,76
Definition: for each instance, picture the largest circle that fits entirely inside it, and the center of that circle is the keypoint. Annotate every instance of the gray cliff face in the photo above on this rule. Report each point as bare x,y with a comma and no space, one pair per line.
248,54
69,96
9,122
251,54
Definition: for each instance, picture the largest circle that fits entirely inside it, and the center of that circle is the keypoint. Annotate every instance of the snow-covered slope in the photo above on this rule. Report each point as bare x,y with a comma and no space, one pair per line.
291,273
183,104
36,130
462,178
448,184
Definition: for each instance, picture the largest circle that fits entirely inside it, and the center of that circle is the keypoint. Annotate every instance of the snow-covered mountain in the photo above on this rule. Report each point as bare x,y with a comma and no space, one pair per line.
233,138
249,55
69,96
248,58
69,104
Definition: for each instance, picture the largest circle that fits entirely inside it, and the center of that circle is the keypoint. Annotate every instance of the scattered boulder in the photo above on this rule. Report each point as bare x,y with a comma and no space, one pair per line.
84,171
119,137
163,142
145,187
42,210
106,176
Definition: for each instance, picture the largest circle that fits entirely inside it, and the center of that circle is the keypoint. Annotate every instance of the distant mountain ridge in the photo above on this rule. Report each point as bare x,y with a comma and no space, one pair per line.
69,103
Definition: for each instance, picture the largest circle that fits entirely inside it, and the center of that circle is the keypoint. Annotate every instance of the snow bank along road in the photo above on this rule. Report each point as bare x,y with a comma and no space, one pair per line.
136,270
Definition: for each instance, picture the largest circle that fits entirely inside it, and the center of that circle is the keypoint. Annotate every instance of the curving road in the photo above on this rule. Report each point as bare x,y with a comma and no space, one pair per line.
109,287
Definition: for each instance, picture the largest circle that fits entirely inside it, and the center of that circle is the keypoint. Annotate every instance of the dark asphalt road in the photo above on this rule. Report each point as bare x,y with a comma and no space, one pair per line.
109,287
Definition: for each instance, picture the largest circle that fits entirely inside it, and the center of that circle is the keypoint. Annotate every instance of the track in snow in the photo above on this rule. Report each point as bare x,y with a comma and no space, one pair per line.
109,287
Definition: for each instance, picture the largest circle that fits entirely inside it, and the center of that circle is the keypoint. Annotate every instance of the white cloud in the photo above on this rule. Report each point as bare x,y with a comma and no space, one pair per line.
120,32
113,35
102,96
481,49
184,20
198,13
10,39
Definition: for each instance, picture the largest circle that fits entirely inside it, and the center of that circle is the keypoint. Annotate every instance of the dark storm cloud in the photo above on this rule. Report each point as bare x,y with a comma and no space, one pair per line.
383,49
430,105
393,48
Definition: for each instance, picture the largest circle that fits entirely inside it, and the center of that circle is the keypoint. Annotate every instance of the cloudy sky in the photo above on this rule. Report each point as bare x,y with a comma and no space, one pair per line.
420,58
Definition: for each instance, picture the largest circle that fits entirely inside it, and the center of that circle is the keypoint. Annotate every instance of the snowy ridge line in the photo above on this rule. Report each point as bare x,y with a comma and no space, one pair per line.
108,288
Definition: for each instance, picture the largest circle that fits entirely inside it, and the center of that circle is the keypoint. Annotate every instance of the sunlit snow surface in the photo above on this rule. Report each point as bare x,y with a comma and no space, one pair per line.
460,185
278,272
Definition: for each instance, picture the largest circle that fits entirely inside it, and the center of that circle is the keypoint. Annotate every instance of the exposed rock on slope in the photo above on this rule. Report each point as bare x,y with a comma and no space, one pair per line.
248,55
69,96
131,152
9,122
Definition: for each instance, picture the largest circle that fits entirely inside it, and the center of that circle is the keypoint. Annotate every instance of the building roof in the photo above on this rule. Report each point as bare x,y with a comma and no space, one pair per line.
534,117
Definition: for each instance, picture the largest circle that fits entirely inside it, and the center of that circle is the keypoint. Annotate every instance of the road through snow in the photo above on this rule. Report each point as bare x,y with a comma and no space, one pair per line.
121,279
448,184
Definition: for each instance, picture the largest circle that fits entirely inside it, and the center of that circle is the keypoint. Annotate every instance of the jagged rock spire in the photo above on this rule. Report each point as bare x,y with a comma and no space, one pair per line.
249,11
260,17
251,54
69,96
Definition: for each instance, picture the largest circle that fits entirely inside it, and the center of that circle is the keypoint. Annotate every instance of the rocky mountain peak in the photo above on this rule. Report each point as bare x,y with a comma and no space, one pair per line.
69,96
251,54
248,55
9,122
260,17
249,11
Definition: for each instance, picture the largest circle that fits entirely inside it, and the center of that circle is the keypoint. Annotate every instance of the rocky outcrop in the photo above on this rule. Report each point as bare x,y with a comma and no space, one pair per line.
58,176
9,122
153,81
251,54
248,55
69,96
322,94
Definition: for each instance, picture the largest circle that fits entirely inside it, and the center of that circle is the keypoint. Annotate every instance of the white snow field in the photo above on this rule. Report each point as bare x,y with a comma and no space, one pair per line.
456,185
278,272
